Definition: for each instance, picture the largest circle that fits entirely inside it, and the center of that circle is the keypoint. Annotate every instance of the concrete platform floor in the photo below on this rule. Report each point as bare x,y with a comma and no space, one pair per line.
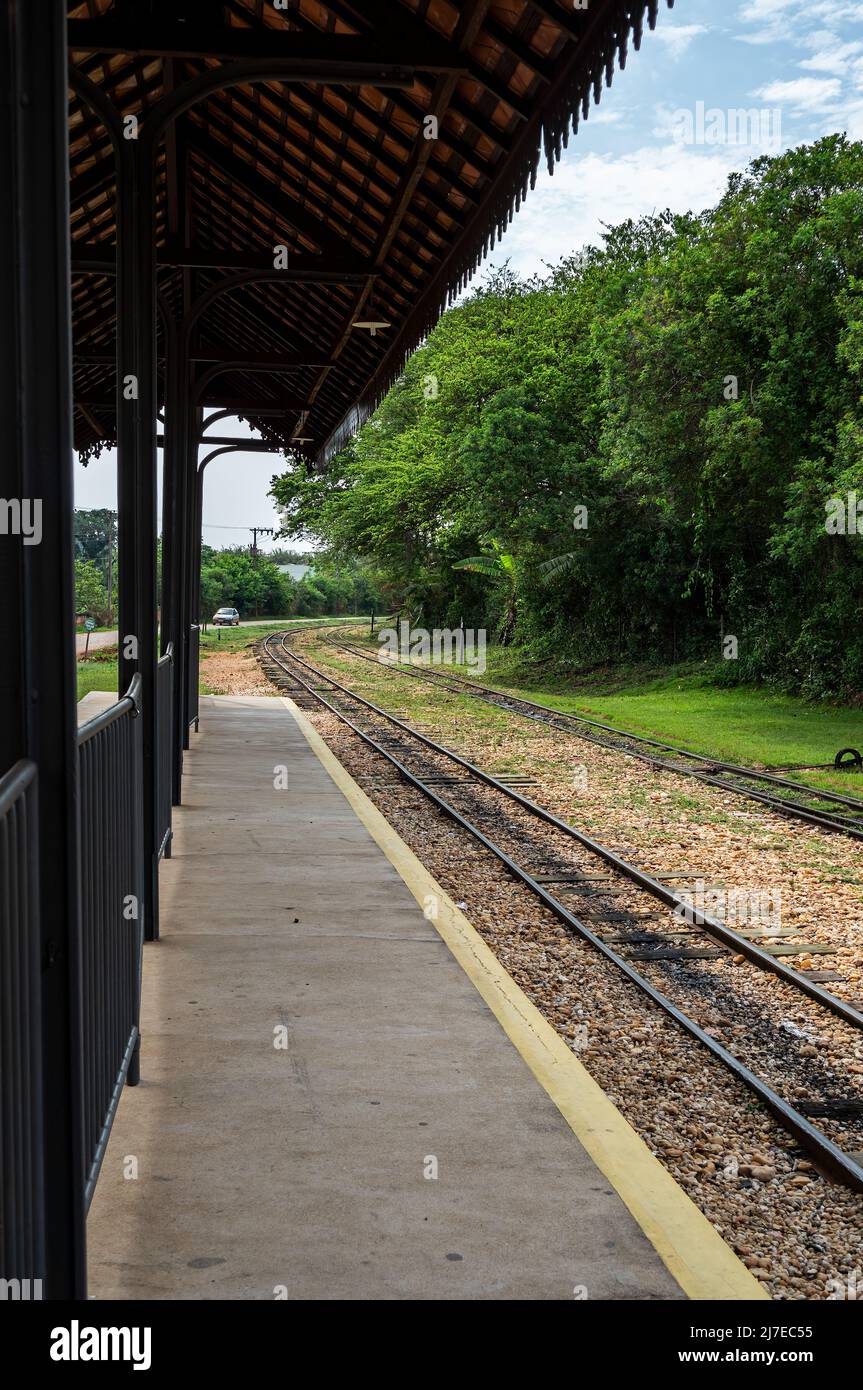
242,1169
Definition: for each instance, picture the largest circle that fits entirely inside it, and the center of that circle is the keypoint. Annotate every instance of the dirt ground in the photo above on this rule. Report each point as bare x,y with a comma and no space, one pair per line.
234,673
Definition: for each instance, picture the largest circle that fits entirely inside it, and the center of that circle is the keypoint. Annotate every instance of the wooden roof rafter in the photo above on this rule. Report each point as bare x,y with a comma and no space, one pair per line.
340,173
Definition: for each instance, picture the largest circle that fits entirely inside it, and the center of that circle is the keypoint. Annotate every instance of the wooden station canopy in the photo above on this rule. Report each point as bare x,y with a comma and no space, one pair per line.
236,193
372,178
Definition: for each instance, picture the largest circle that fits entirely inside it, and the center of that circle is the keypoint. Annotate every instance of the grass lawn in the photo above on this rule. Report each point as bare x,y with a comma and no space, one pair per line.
99,671
740,724
97,675
232,639
684,706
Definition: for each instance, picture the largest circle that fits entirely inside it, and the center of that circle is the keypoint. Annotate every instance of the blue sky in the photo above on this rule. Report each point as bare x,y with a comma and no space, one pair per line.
800,58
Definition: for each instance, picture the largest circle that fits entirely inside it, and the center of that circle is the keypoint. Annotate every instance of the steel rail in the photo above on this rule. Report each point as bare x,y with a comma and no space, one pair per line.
828,1154
711,925
548,714
511,700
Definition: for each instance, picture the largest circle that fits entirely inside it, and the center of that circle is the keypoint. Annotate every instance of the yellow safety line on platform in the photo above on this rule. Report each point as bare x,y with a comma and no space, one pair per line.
692,1249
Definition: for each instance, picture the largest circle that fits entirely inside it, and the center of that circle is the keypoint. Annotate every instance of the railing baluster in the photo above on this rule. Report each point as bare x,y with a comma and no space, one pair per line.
111,793
110,854
110,850
193,673
22,1196
164,736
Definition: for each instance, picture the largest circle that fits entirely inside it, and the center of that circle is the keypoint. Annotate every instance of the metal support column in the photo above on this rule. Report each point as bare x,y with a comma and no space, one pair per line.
196,544
194,518
175,534
135,146
38,666
136,470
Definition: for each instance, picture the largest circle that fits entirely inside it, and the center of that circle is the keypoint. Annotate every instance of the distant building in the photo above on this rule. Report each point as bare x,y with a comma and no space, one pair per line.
296,572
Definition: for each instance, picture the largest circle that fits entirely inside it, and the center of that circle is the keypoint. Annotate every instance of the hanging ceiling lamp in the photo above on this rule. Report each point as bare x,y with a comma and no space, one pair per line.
371,324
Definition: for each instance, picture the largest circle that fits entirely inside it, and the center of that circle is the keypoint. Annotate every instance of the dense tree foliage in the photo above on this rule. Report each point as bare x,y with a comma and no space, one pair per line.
238,579
91,597
95,533
96,563
234,577
650,437
254,585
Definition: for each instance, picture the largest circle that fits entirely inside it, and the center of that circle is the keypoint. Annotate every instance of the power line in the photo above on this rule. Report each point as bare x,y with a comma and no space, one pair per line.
212,526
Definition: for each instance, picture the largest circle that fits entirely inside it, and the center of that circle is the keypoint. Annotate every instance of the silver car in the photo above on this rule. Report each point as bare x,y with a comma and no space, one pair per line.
226,617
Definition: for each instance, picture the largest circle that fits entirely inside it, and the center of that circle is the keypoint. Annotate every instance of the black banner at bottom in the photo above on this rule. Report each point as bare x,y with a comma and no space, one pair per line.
255,1339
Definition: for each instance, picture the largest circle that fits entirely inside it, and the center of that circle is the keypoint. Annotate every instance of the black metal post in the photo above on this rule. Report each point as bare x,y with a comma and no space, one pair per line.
196,511
175,533
136,470
192,571
38,666
135,147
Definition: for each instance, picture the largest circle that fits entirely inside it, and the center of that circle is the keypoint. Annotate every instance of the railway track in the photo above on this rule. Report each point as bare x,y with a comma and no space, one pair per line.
627,911
828,810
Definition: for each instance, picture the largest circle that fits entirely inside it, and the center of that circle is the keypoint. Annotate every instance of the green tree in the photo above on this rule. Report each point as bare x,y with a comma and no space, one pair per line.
90,595
691,387
500,567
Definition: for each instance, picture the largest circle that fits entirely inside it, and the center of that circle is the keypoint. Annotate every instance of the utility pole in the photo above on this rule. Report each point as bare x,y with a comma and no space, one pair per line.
111,570
265,531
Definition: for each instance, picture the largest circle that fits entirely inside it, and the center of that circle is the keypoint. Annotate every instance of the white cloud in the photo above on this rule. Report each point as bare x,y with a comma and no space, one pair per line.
604,115
835,58
568,211
763,37
851,120
756,11
820,38
847,117
802,93
678,37
796,21
838,13
774,17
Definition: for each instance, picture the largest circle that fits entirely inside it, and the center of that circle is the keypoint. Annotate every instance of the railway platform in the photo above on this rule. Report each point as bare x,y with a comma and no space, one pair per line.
341,1099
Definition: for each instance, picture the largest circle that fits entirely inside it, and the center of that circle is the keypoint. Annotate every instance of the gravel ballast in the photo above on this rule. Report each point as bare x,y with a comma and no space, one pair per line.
799,1232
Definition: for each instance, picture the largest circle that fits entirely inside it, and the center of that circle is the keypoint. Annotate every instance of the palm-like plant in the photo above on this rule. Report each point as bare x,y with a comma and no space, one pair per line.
559,564
501,566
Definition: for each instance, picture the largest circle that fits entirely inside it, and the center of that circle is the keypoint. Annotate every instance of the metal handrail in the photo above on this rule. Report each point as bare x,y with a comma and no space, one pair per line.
130,702
14,782
22,1192
111,857
164,749
192,675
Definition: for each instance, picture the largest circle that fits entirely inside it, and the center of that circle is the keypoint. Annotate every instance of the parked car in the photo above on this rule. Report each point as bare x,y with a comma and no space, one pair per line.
226,617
